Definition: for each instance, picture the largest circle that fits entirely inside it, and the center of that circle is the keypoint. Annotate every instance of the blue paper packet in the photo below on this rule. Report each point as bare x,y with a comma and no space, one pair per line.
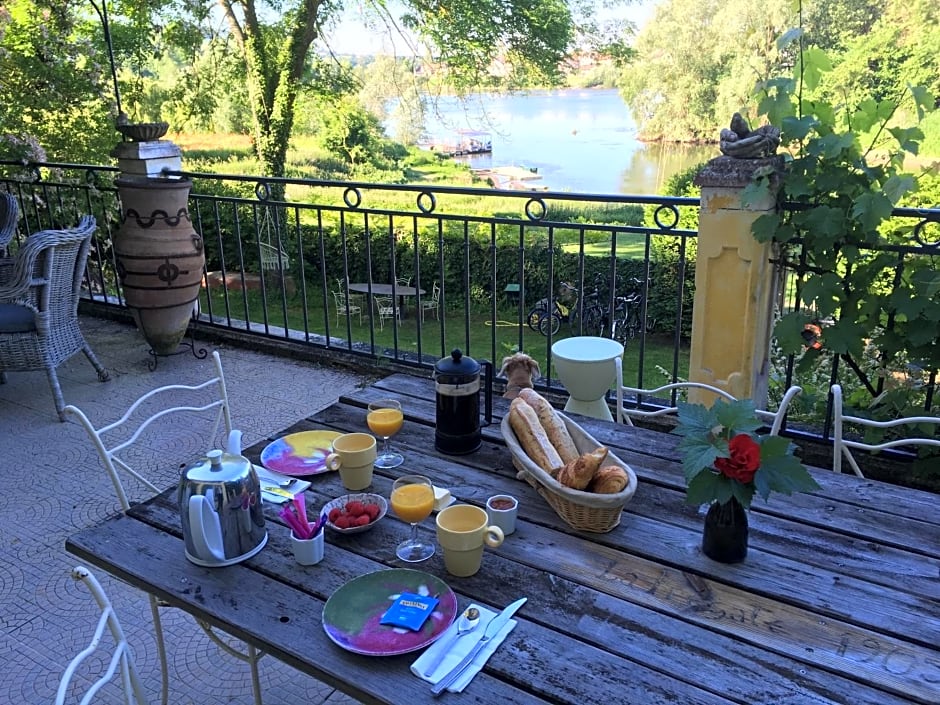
409,611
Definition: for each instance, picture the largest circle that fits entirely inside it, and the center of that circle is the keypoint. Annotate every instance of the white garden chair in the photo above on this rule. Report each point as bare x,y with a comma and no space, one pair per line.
116,445
843,446
625,412
121,658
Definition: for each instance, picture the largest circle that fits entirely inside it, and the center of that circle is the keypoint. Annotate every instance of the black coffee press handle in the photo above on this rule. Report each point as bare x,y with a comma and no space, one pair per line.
487,392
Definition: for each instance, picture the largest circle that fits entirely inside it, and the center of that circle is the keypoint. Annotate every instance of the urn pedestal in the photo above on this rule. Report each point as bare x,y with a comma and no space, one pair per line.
159,254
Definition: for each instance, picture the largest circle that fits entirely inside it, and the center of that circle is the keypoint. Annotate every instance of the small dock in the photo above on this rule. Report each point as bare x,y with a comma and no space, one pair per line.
511,178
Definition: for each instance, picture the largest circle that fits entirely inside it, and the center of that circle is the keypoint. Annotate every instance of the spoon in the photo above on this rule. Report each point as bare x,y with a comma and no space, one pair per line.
467,623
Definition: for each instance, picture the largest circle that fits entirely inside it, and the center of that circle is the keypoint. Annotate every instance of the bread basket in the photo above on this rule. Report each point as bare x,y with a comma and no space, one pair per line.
584,511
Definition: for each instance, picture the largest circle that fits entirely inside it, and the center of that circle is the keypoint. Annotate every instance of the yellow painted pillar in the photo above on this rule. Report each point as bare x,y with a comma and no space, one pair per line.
732,318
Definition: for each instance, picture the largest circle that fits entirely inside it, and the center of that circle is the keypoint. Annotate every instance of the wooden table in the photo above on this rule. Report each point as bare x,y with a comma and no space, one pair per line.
399,290
837,602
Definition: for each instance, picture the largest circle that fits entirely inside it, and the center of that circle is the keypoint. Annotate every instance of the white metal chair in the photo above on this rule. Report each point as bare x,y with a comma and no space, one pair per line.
403,281
842,446
624,412
433,303
39,305
115,443
121,658
386,309
345,307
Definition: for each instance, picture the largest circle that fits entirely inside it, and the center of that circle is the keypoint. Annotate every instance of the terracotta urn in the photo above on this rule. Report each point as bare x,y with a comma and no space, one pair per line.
160,258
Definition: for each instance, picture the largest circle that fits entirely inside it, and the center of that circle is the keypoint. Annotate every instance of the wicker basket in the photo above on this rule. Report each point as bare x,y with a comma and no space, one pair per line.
584,511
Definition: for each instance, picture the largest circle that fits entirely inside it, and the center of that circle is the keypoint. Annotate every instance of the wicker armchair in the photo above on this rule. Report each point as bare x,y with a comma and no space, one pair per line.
9,216
39,305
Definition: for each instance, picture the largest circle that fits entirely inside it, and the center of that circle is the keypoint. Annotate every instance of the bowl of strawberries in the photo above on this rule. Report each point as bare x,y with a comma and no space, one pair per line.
354,513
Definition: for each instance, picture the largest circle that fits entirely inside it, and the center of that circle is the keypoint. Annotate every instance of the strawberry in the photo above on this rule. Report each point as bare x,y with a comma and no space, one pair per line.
334,513
355,508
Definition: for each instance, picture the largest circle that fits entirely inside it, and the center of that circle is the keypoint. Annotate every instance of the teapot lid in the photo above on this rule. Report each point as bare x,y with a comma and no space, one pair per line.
457,364
218,467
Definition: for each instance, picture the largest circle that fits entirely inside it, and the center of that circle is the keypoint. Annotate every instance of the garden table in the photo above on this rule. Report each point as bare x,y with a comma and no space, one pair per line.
399,290
837,602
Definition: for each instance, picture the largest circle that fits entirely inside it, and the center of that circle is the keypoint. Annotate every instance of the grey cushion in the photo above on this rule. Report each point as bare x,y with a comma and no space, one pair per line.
16,319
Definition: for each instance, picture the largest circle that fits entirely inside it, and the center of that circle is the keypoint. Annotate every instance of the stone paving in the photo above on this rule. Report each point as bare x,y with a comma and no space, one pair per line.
55,485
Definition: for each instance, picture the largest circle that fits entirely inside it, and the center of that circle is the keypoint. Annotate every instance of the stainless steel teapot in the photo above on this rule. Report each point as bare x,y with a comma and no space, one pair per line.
220,507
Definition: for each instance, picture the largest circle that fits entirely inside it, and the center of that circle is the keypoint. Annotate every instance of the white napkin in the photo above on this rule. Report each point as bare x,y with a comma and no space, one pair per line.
268,477
459,649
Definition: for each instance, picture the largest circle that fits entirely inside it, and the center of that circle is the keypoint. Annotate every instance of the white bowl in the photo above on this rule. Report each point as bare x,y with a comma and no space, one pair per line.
365,498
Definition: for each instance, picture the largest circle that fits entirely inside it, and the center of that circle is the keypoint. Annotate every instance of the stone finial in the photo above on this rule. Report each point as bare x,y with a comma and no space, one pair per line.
743,143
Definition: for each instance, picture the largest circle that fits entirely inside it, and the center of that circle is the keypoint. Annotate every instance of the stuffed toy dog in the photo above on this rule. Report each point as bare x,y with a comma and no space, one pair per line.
520,371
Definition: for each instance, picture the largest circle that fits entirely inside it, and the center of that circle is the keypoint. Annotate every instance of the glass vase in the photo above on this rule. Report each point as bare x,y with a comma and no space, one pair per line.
724,537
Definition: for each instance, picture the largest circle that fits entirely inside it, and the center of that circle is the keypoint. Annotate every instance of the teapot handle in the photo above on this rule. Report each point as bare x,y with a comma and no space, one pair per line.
234,446
487,392
205,529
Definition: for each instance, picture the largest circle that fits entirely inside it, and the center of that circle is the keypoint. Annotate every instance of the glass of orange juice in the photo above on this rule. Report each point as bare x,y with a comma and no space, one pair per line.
412,500
385,419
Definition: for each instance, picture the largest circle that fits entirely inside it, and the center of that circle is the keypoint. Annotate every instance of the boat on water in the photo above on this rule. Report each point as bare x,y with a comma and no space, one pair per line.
463,142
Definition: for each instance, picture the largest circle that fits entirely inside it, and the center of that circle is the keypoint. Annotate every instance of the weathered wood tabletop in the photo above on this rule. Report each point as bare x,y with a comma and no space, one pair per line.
838,600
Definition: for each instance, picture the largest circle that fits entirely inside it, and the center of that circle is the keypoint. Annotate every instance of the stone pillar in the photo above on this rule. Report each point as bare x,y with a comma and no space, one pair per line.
159,255
732,319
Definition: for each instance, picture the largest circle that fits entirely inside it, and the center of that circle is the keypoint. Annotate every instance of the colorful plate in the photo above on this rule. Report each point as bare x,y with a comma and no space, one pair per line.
351,615
299,454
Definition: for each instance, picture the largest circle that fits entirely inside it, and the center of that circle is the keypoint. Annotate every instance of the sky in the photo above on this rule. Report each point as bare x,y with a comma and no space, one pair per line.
352,37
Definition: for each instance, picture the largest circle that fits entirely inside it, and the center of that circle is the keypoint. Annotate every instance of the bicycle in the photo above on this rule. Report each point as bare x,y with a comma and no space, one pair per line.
627,321
541,320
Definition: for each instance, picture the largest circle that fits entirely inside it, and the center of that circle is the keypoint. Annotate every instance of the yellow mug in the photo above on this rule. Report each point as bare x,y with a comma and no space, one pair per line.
462,531
353,455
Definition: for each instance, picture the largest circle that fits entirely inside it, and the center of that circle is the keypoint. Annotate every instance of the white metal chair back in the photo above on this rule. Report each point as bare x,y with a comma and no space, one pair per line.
843,446
386,308
209,397
121,659
345,307
774,418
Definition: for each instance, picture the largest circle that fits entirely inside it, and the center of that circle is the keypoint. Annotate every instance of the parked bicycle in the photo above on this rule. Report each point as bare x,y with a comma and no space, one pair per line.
566,308
627,321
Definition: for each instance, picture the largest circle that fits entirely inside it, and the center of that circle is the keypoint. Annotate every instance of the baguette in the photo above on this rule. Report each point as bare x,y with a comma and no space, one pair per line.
532,437
578,473
554,427
610,479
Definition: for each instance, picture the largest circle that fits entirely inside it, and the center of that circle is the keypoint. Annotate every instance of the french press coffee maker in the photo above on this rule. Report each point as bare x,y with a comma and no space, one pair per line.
457,386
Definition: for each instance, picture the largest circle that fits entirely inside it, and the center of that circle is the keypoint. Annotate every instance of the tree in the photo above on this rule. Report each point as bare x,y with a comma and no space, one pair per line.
465,37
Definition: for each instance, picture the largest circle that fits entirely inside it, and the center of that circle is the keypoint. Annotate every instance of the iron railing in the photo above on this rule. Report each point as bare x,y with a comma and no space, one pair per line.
273,263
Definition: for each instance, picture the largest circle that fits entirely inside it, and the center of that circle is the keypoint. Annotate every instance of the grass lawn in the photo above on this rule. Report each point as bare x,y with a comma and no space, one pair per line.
476,334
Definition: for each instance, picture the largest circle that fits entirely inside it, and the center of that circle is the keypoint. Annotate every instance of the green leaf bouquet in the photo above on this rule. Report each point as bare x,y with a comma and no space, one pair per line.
724,457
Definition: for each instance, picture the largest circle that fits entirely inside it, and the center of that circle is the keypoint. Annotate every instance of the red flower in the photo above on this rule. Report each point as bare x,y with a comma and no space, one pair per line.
744,460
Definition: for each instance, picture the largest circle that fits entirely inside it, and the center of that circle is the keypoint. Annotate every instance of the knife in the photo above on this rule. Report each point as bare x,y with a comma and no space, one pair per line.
492,629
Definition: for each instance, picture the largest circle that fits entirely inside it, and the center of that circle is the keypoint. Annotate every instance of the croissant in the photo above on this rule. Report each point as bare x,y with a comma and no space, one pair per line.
609,480
578,473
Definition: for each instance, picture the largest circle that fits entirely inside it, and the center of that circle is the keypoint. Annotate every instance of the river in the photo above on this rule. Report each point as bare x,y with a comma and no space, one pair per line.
580,140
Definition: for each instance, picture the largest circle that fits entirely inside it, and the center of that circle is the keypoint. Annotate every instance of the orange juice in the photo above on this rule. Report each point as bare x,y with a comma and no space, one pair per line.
385,422
412,503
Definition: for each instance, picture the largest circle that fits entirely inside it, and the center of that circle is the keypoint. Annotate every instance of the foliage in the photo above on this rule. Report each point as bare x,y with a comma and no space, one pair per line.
844,193
52,77
696,63
724,457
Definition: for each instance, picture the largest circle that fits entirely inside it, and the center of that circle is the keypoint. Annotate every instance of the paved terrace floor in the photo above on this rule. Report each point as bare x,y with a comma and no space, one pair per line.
55,485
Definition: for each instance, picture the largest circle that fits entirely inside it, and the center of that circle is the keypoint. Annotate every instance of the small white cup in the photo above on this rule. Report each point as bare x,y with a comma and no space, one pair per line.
307,551
502,510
